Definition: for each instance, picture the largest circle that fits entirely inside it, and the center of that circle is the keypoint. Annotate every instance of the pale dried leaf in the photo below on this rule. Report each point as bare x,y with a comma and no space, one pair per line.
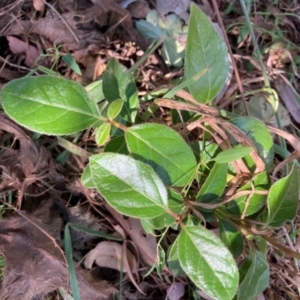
175,291
146,243
109,255
39,5
17,46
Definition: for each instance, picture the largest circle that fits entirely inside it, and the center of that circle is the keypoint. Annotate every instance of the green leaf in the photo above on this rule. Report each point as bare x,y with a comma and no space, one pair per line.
283,199
102,133
71,62
258,133
118,83
129,186
214,185
232,154
261,182
254,277
175,203
117,145
232,239
114,108
205,49
208,262
87,179
173,260
49,105
163,149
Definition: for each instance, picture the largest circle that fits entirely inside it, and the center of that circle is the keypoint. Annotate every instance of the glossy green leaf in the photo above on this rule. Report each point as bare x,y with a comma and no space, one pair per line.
208,263
214,185
175,203
102,133
258,133
87,179
164,150
117,145
129,186
49,105
114,108
254,277
205,49
232,154
232,239
261,182
118,83
283,199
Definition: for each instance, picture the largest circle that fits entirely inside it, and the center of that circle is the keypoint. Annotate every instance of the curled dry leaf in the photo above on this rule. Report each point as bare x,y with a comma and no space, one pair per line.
109,255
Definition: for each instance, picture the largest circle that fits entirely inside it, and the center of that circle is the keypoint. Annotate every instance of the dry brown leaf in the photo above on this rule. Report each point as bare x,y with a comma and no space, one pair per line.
17,46
40,267
146,243
110,255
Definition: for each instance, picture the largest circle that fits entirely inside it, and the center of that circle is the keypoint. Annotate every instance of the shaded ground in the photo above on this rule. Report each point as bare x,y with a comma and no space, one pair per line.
40,177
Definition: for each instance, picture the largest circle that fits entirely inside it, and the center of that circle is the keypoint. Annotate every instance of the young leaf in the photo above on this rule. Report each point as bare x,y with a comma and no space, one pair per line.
102,133
258,133
254,277
283,199
208,263
232,239
232,154
164,150
49,105
129,186
205,49
118,83
87,179
114,108
71,62
214,185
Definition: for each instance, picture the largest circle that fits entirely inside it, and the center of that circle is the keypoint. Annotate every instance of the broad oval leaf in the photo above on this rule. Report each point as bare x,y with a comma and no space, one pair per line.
232,239
254,277
87,179
118,83
102,133
205,49
129,186
208,263
258,133
164,150
49,105
114,108
283,199
232,154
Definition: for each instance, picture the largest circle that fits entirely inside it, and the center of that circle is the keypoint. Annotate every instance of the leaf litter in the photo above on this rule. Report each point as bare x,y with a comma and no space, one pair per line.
34,178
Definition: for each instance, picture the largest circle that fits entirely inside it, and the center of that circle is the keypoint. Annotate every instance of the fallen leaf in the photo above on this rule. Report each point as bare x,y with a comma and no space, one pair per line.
175,291
17,46
109,255
40,266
